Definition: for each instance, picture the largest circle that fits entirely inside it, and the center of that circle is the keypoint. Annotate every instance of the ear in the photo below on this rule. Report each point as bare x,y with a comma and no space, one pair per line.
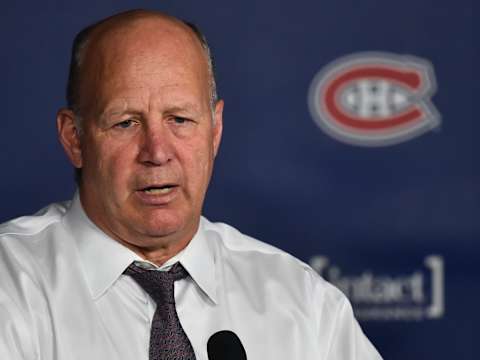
69,136
217,126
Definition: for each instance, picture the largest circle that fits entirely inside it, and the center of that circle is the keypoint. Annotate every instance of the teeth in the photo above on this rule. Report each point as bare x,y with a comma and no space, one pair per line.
156,191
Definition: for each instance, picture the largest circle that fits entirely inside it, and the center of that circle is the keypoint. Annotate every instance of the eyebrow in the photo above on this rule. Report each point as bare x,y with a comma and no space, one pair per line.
104,115
115,107
127,108
187,106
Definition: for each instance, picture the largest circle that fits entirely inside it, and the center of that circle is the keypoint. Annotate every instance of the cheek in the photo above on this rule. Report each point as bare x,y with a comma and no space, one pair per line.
199,164
113,164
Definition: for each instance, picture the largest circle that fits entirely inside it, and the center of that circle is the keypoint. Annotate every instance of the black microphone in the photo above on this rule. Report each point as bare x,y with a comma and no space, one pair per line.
225,345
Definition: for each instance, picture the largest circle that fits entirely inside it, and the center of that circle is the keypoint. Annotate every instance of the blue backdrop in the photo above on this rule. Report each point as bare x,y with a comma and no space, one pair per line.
395,226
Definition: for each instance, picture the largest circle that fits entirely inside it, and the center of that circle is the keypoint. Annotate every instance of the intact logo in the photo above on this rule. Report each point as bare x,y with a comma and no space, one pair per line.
417,294
374,99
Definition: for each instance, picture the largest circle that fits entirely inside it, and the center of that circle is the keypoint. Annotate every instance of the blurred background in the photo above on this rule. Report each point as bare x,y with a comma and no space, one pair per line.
394,226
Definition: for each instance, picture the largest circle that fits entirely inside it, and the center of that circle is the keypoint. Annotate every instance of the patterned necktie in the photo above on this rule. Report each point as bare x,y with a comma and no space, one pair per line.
168,341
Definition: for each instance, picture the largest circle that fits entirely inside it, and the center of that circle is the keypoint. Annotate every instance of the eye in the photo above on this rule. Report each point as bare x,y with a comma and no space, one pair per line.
125,124
180,120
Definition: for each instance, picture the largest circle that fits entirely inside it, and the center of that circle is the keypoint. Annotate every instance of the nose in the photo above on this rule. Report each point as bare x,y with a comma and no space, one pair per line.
155,147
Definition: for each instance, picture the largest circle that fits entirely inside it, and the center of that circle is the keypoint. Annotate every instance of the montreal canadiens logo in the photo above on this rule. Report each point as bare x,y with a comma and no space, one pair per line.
374,99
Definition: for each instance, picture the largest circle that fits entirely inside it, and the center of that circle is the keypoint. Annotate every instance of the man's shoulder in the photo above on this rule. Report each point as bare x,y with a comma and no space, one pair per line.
249,251
254,259
24,229
235,240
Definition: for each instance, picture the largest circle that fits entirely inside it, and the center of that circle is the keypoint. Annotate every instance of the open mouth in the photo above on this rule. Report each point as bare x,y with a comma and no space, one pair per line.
159,190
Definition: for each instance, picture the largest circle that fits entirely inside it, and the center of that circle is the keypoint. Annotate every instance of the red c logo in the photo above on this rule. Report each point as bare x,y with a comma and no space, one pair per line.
374,99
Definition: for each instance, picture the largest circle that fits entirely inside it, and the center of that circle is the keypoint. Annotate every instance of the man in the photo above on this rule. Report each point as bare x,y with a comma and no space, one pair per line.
80,280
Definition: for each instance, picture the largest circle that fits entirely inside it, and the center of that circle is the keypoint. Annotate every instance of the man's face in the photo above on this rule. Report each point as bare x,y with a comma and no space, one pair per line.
149,139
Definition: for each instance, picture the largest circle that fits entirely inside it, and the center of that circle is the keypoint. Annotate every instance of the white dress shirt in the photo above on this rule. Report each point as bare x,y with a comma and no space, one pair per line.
63,295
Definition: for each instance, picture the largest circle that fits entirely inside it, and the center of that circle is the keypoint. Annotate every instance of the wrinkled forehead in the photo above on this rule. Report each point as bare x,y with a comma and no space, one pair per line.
161,45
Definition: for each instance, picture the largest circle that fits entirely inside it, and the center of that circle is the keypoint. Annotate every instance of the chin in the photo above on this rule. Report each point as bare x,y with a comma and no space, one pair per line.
162,225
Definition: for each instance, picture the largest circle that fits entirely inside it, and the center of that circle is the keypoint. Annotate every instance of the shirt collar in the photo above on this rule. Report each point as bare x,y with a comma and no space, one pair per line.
104,259
198,258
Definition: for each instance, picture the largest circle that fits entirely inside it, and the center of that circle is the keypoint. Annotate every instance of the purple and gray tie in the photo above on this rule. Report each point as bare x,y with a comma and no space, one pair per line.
168,340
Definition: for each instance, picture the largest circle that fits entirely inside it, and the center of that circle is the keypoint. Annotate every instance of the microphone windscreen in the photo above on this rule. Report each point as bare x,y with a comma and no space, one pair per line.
225,345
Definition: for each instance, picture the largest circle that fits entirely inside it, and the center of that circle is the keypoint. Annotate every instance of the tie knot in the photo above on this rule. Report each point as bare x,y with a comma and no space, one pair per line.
177,272
158,284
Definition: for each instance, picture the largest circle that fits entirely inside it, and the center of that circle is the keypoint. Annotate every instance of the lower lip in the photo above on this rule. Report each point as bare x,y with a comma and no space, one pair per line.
157,199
